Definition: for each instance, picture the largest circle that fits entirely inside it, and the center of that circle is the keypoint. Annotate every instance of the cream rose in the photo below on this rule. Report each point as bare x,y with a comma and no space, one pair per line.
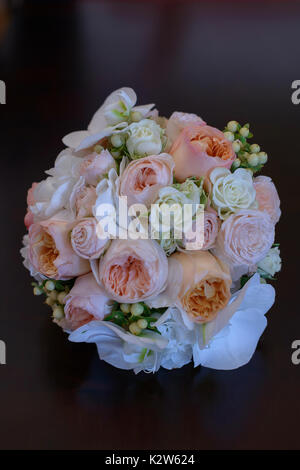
133,270
271,264
171,201
245,238
95,166
85,241
198,149
143,178
144,138
267,197
205,285
231,191
50,251
87,301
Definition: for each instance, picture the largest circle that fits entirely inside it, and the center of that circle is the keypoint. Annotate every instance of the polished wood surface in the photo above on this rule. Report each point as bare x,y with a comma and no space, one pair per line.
222,60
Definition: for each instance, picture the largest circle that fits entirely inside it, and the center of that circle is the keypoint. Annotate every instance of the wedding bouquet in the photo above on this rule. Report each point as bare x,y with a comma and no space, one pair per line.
153,238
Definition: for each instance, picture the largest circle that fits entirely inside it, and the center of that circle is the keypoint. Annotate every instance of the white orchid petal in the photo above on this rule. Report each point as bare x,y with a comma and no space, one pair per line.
143,109
235,348
92,139
73,139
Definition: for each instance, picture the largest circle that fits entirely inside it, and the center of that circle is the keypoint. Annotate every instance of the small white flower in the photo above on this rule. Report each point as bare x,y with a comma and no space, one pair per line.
232,191
271,264
179,350
144,138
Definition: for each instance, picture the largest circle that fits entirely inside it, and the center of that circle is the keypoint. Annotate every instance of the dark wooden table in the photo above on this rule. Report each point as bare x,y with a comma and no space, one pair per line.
222,60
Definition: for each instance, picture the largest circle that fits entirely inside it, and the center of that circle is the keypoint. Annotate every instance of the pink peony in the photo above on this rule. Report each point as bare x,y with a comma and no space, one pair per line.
206,239
95,165
245,238
29,218
267,197
50,250
82,200
133,270
86,301
198,149
85,241
178,121
143,178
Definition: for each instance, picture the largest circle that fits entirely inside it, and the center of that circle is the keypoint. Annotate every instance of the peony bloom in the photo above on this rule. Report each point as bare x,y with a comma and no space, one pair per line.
211,225
245,238
133,270
29,217
231,191
82,199
85,241
178,121
94,166
50,250
205,285
198,149
143,178
267,197
86,301
144,138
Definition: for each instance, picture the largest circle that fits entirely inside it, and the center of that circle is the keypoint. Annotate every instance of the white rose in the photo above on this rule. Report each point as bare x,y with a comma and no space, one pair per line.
232,191
170,201
271,264
144,138
191,190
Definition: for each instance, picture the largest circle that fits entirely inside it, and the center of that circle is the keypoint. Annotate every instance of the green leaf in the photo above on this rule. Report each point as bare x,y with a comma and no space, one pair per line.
244,279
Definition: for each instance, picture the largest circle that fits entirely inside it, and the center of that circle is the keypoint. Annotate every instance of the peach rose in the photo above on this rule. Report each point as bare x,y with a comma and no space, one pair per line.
211,225
133,270
198,149
82,200
245,238
267,197
205,285
29,218
143,178
85,241
96,165
178,121
50,250
86,301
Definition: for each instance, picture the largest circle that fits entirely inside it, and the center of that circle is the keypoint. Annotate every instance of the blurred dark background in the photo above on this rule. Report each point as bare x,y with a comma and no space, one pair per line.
221,60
